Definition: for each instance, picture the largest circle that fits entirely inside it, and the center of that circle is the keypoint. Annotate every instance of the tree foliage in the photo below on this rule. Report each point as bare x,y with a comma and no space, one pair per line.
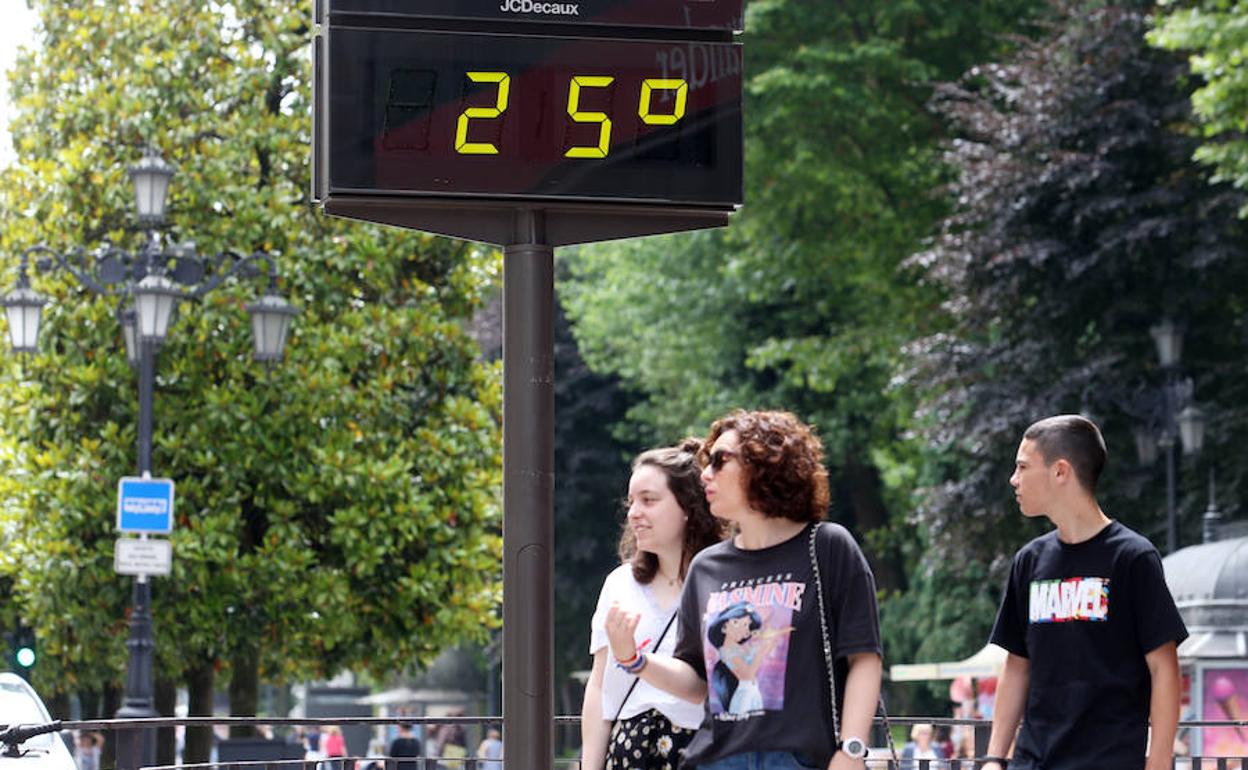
337,509
591,479
802,304
1214,35
1081,222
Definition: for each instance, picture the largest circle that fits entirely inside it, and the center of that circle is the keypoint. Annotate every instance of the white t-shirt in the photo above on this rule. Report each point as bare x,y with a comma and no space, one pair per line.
621,587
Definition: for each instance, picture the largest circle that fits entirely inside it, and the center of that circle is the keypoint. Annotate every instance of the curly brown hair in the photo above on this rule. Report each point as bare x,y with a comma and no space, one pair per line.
684,478
782,459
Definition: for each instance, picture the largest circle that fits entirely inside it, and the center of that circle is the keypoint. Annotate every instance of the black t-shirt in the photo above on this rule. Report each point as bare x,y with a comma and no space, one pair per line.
1085,615
405,746
749,625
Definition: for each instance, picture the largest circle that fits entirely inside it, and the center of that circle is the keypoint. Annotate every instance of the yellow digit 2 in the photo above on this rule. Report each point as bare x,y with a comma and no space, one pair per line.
574,110
662,84
462,145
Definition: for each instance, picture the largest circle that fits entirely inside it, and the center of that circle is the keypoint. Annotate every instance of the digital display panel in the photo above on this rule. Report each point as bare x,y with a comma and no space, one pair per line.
688,14
450,114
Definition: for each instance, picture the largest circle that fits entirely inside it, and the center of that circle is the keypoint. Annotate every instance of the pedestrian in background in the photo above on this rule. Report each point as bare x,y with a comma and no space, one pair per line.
405,745
335,746
87,751
921,746
312,740
627,723
491,750
764,475
964,747
1089,624
452,743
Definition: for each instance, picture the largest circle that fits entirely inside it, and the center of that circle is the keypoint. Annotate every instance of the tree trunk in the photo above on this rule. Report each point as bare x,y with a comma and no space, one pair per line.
59,705
244,687
199,687
166,703
245,660
89,704
89,708
863,486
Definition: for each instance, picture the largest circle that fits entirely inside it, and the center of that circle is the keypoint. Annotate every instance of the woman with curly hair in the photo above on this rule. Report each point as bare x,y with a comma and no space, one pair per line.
626,723
764,475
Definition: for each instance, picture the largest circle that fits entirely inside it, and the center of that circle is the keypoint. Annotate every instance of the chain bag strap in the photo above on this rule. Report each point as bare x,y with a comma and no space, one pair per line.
827,655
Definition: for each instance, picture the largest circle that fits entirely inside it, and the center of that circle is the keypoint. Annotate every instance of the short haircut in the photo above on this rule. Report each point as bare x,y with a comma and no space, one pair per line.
1075,439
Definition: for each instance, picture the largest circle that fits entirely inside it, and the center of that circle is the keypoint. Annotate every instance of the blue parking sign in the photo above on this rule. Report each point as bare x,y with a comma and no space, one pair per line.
145,505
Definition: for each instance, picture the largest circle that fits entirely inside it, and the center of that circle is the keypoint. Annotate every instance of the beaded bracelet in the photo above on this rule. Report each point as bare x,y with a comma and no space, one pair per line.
633,665
999,760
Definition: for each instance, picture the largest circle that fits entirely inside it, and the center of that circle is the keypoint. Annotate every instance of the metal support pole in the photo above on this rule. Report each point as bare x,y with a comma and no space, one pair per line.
1212,520
1172,525
147,383
528,496
136,748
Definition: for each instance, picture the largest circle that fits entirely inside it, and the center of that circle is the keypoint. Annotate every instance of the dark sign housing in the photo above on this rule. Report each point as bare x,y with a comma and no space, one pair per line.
448,115
679,14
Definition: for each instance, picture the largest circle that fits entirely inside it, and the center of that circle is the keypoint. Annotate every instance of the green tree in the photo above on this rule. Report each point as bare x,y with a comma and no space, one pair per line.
337,509
1082,221
591,479
802,303
1214,35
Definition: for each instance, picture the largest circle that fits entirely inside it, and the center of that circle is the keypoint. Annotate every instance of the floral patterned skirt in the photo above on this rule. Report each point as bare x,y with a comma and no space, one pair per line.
648,741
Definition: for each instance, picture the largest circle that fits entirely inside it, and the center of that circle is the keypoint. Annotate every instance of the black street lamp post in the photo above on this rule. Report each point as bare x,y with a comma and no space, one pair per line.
150,278
1167,416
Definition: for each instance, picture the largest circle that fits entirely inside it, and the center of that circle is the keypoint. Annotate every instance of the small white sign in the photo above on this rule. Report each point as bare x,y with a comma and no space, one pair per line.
142,557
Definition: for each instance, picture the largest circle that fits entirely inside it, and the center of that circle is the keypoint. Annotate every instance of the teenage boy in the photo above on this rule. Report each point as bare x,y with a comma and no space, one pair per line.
1090,627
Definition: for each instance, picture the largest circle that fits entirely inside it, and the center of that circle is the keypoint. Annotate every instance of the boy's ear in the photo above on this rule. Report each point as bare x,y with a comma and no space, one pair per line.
1063,470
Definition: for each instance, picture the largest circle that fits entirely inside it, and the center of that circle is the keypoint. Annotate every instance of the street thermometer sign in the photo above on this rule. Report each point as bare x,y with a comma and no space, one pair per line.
615,118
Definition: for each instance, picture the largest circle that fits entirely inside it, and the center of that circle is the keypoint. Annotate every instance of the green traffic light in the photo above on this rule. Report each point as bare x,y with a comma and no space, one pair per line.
25,657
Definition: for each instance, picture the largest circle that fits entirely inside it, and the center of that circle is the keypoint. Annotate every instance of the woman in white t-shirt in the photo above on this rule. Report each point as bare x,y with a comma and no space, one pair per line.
626,723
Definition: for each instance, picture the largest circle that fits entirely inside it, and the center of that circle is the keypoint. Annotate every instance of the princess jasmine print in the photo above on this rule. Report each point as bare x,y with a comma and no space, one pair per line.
746,646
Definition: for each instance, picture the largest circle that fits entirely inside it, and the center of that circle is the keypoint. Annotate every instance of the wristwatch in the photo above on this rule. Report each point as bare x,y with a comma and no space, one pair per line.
854,748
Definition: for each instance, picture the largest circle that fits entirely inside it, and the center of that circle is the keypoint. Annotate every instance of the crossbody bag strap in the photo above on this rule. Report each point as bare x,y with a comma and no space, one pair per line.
828,656
637,679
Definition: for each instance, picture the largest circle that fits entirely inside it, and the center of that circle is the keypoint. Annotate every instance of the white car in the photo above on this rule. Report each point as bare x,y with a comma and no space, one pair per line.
20,705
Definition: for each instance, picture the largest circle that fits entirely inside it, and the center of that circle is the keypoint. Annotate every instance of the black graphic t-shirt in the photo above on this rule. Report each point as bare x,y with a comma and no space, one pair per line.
749,625
1085,615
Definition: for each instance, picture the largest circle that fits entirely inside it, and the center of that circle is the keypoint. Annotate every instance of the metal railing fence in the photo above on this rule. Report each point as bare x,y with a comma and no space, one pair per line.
878,759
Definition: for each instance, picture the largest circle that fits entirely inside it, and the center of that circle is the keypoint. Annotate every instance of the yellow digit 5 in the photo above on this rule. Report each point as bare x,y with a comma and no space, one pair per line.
462,145
662,84
574,110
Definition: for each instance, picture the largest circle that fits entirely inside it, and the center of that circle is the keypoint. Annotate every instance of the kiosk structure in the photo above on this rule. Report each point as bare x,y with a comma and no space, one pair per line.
1209,583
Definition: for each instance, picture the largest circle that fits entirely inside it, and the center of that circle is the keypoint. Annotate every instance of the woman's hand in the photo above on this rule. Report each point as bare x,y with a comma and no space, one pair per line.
621,627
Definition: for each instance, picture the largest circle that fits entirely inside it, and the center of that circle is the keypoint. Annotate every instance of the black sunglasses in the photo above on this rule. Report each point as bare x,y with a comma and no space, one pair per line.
719,457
